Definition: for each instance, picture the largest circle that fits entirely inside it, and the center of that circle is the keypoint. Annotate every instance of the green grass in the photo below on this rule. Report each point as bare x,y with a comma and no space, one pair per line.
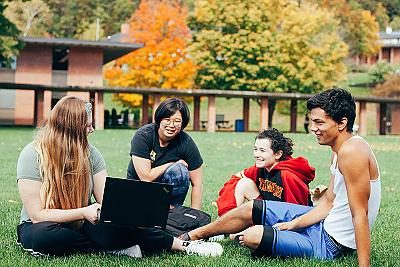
224,154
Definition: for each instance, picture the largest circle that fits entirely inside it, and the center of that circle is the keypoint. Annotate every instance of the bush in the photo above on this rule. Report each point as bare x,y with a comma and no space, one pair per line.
390,88
380,71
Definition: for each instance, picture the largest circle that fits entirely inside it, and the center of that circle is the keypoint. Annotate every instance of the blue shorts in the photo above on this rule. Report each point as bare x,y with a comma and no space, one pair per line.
310,242
177,175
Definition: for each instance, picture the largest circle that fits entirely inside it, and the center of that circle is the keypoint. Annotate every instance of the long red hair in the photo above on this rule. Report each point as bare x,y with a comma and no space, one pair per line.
63,150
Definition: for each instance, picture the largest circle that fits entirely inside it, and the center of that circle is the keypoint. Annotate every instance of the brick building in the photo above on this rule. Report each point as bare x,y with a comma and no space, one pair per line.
56,61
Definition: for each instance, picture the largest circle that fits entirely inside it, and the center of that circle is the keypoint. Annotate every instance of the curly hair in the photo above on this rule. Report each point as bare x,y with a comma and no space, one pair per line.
337,103
278,142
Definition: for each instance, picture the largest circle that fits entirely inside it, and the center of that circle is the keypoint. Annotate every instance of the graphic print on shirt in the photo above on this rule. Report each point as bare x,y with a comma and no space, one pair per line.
270,187
153,155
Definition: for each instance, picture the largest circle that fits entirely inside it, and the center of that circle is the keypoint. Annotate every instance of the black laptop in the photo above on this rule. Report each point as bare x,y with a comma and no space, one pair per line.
135,203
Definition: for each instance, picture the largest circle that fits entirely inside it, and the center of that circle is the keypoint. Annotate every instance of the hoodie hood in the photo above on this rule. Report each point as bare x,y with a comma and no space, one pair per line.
299,167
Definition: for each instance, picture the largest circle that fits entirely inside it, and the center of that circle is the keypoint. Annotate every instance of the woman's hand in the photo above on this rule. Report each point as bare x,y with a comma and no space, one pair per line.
90,213
182,162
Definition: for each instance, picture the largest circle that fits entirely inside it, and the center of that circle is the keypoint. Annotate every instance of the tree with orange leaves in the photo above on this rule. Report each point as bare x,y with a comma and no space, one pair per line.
164,61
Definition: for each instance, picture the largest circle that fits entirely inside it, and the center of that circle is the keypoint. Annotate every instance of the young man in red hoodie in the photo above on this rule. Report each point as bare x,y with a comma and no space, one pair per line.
274,176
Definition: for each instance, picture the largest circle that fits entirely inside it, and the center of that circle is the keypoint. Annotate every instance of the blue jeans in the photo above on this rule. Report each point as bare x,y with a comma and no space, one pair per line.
177,175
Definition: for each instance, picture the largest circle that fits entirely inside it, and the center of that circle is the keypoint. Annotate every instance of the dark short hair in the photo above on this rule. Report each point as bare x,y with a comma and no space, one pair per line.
337,103
278,142
169,107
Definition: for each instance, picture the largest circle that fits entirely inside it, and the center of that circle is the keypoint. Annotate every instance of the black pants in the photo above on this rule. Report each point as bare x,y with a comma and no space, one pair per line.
57,239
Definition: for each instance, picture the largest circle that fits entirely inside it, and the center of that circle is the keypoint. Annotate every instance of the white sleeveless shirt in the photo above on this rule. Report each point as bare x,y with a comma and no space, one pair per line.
339,223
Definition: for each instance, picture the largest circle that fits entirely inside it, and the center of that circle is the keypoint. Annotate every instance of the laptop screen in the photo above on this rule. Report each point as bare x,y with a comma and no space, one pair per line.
135,203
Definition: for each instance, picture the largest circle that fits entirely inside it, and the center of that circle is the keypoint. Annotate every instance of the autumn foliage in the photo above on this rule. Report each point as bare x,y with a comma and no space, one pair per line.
164,61
390,88
359,27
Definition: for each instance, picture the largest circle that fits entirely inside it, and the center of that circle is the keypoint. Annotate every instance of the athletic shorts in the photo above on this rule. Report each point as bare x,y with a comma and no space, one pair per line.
309,242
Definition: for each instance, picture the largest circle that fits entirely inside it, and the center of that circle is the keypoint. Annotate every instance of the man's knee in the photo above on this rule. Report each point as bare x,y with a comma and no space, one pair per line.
246,210
252,236
265,236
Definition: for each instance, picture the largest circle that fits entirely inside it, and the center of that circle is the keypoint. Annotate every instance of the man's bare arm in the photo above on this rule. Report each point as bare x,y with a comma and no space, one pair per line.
354,165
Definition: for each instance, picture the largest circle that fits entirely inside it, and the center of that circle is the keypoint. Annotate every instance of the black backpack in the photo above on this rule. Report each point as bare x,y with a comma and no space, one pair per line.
182,219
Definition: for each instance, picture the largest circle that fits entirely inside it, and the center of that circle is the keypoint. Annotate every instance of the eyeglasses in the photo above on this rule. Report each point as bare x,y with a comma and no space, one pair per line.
167,122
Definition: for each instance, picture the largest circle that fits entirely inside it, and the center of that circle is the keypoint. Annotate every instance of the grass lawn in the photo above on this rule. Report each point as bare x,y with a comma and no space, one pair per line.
224,154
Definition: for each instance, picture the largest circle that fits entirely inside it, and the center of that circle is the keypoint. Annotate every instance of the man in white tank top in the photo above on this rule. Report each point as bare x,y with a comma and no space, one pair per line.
342,221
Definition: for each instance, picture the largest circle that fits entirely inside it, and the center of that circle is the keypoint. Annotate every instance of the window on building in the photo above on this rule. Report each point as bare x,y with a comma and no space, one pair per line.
12,65
60,58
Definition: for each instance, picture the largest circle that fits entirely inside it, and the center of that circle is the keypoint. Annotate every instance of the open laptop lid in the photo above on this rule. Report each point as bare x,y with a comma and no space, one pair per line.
135,203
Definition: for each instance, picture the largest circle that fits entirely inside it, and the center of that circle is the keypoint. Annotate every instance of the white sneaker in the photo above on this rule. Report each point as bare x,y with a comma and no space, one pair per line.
134,252
202,248
216,238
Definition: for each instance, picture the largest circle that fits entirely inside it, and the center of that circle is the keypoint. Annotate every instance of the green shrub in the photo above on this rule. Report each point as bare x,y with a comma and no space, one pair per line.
379,71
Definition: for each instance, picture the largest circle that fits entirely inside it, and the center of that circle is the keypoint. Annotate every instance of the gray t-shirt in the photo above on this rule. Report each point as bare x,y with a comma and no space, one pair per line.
28,168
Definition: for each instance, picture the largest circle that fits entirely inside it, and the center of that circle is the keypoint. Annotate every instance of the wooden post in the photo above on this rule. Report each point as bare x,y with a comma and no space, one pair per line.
391,58
92,100
293,116
98,111
196,114
145,110
264,113
363,118
382,118
395,111
157,98
211,114
246,113
38,114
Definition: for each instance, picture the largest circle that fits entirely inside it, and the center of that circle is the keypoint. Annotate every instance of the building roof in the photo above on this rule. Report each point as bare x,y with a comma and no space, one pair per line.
111,49
391,39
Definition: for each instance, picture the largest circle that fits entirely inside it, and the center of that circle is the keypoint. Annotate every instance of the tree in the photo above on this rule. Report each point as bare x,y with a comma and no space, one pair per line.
395,23
164,61
72,19
359,27
31,17
381,16
392,6
274,46
10,44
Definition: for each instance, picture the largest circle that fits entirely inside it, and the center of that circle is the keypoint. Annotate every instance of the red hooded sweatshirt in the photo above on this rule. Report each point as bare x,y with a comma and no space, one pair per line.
287,181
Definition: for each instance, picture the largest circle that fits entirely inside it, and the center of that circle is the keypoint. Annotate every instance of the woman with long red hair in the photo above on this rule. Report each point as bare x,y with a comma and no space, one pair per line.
58,174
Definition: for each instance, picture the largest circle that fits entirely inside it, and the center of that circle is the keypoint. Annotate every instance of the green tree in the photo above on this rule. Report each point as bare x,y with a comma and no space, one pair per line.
392,6
395,23
31,17
10,44
274,46
73,19
381,16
